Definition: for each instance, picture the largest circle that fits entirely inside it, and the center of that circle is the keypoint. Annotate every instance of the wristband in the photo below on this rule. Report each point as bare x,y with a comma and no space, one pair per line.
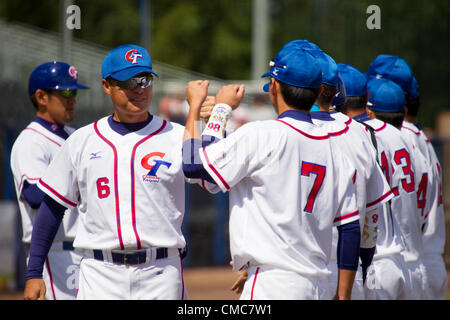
217,121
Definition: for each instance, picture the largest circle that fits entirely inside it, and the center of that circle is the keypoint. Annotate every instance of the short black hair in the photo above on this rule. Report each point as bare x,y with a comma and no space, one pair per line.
327,95
393,118
297,97
413,106
353,104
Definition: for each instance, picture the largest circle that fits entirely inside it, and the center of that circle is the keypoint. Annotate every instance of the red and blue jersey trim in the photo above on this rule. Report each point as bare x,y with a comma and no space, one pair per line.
226,185
346,216
57,194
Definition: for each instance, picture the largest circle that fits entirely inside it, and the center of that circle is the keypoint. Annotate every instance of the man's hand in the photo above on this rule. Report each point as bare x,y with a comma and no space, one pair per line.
34,289
238,286
207,107
196,92
231,95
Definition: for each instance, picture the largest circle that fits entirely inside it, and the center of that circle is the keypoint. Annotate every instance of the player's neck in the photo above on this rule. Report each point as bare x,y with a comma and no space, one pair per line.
130,117
47,117
354,113
409,118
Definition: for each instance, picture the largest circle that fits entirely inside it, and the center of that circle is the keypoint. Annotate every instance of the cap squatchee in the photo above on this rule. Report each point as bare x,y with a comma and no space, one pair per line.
295,67
385,96
54,75
126,61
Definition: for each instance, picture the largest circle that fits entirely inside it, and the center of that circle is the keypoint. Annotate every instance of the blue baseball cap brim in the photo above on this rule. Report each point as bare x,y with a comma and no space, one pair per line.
126,74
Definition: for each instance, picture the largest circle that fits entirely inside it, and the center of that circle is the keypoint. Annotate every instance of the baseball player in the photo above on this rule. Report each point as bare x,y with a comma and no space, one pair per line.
429,193
372,189
123,174
52,89
287,189
386,102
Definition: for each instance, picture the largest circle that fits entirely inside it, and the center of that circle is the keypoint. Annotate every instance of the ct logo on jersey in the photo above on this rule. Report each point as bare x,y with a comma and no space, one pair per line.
153,163
132,55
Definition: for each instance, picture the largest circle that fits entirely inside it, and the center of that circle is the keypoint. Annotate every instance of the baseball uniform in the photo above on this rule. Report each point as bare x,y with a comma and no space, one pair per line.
31,154
372,189
435,275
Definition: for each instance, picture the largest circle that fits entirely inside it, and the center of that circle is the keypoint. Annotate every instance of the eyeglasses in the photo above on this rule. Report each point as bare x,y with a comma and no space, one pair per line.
66,93
132,83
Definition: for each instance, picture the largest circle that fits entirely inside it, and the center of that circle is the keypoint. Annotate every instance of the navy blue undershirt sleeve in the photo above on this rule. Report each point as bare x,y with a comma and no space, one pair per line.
48,220
348,245
32,194
366,256
192,164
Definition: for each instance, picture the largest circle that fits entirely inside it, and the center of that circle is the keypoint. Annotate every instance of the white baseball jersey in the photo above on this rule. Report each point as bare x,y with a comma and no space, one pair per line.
31,154
398,163
129,189
431,193
287,191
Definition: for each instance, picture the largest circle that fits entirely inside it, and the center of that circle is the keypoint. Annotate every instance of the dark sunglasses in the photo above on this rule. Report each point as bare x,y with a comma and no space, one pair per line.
65,93
132,83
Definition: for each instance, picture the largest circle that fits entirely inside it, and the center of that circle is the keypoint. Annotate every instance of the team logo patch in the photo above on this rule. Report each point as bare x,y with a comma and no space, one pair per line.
132,56
73,72
153,163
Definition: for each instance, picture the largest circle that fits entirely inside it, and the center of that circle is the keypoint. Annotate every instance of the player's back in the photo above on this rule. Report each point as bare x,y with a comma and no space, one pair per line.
287,192
398,161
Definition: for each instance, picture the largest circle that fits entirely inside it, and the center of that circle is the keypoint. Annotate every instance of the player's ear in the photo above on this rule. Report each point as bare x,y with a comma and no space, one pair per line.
370,113
106,87
274,86
41,97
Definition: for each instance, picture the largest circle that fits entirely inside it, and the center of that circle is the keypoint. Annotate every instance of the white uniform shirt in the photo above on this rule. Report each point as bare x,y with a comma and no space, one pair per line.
129,189
434,233
287,191
31,154
403,215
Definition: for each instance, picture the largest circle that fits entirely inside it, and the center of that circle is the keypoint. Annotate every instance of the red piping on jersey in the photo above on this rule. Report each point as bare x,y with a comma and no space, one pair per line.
47,263
330,134
26,178
381,128
417,133
254,281
215,171
34,130
346,216
73,204
116,185
133,197
384,196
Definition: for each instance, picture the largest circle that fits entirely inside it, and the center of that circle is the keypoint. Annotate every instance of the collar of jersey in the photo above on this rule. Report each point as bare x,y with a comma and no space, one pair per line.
362,117
124,128
52,127
297,115
322,115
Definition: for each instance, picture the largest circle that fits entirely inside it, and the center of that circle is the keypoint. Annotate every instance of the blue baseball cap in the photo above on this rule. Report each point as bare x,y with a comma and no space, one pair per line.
385,95
393,68
355,81
327,64
295,67
414,90
54,75
126,61
341,94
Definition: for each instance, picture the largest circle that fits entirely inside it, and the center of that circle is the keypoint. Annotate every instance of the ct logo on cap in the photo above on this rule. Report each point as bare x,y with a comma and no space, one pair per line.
73,72
132,56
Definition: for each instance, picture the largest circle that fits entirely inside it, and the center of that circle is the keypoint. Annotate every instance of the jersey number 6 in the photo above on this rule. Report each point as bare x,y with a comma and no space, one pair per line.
103,190
319,171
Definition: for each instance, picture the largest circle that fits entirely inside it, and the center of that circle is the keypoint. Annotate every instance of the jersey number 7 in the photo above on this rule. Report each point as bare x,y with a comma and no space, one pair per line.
319,171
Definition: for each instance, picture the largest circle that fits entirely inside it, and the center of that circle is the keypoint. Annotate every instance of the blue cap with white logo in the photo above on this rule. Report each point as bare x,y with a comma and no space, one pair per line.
327,64
385,95
393,68
295,67
126,61
341,94
355,81
54,75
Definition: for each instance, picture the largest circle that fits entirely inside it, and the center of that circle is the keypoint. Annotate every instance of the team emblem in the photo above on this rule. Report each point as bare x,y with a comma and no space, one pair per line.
132,56
73,72
152,163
